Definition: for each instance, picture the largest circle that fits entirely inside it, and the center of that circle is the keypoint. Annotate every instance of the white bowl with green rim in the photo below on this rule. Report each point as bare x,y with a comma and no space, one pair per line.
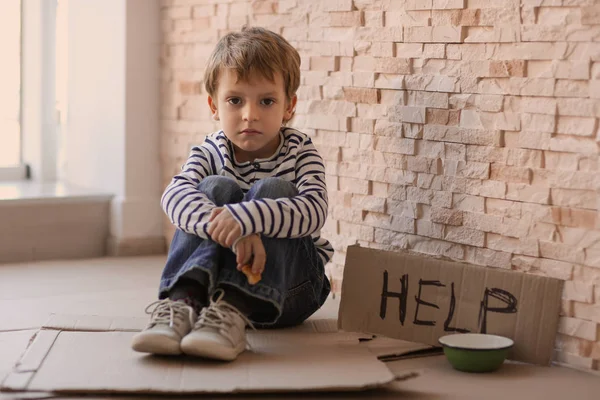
476,352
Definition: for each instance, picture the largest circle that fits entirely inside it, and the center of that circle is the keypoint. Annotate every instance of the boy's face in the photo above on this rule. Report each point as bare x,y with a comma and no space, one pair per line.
251,113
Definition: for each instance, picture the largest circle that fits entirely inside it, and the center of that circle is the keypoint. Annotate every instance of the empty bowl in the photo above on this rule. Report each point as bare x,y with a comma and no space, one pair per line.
476,352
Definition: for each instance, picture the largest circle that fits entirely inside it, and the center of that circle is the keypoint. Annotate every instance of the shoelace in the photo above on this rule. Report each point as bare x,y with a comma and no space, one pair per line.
164,312
218,314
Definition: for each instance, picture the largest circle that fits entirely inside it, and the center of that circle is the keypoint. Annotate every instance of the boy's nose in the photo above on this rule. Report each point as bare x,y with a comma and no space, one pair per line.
250,113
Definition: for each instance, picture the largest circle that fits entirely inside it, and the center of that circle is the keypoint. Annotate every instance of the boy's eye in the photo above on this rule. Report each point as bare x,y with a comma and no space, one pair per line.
234,100
268,102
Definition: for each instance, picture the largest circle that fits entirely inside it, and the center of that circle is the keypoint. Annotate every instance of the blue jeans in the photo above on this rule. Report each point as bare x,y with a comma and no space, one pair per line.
293,284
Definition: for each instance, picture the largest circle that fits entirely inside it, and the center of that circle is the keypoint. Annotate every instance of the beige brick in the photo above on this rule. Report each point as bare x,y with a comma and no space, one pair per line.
465,169
409,114
541,266
347,18
464,236
419,4
361,95
483,222
405,209
594,91
437,50
403,17
538,122
586,312
486,34
448,4
572,144
389,34
576,218
357,186
574,198
590,15
338,5
559,69
371,111
557,251
418,34
582,292
455,151
528,193
500,69
510,174
386,81
395,145
400,176
436,248
574,360
573,345
391,238
488,258
392,65
368,203
373,19
466,202
446,216
571,88
387,128
465,136
324,63
486,154
429,229
398,191
592,259
503,208
429,149
576,126
578,328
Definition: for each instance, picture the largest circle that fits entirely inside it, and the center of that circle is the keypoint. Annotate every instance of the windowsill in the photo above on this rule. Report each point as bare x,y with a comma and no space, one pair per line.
57,192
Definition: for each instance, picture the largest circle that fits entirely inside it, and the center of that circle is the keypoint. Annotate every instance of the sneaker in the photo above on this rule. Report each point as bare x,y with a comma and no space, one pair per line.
170,321
219,332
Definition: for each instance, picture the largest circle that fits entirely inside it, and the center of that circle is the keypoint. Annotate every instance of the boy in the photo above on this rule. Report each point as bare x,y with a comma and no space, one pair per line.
252,194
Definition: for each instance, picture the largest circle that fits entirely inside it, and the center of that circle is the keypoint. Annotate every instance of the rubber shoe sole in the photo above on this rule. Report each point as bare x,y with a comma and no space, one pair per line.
155,344
210,349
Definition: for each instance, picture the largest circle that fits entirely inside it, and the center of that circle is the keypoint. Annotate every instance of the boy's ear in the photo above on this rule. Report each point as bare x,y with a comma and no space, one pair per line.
213,108
290,109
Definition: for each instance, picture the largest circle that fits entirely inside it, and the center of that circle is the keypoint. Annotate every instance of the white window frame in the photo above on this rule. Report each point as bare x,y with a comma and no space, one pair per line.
38,119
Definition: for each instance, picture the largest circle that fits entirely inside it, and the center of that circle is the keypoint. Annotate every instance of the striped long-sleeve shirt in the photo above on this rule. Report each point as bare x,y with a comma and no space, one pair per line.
296,160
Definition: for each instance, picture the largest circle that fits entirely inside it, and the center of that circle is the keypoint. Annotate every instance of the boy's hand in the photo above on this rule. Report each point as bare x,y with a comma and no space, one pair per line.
251,249
223,228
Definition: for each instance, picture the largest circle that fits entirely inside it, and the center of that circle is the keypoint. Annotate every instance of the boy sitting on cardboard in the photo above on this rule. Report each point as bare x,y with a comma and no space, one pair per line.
253,194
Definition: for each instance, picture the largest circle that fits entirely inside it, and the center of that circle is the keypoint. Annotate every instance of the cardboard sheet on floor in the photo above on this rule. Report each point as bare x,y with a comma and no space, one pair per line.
92,355
419,299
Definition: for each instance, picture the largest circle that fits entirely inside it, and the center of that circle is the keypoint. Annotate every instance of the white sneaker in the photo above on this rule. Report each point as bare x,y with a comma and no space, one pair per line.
170,321
219,333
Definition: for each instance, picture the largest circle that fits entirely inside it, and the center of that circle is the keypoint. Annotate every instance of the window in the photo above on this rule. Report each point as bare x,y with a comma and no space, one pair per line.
10,82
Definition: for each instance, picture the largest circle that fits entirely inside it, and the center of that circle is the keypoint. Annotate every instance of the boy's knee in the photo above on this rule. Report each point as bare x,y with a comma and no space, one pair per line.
221,189
273,188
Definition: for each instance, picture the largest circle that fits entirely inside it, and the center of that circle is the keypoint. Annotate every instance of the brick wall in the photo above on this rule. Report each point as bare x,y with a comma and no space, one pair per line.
462,128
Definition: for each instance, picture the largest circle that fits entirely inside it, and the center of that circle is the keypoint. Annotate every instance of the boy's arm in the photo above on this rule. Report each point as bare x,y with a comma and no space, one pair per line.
294,217
187,208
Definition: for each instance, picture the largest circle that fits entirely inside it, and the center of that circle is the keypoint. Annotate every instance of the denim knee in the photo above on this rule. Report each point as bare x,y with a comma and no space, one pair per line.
221,190
272,188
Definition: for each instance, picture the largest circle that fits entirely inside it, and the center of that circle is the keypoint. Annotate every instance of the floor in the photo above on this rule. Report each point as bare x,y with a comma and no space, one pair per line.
30,292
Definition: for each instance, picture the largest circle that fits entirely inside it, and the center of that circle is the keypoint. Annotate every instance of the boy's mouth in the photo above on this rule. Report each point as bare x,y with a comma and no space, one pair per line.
251,132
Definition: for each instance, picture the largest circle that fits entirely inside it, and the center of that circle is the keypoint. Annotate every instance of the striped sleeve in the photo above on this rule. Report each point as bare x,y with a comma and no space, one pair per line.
294,217
188,208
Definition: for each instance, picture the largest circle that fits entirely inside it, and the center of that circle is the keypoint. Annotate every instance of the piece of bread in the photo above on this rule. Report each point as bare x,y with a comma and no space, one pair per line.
253,279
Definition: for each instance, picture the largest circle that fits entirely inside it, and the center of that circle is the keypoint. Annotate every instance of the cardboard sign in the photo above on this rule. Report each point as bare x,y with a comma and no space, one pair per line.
421,299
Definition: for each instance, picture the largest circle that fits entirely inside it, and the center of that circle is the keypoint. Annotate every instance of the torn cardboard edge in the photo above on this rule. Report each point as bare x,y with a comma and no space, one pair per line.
419,299
92,355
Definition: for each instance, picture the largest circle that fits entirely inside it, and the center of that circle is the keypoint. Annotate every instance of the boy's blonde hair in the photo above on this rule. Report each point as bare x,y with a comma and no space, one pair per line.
254,50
